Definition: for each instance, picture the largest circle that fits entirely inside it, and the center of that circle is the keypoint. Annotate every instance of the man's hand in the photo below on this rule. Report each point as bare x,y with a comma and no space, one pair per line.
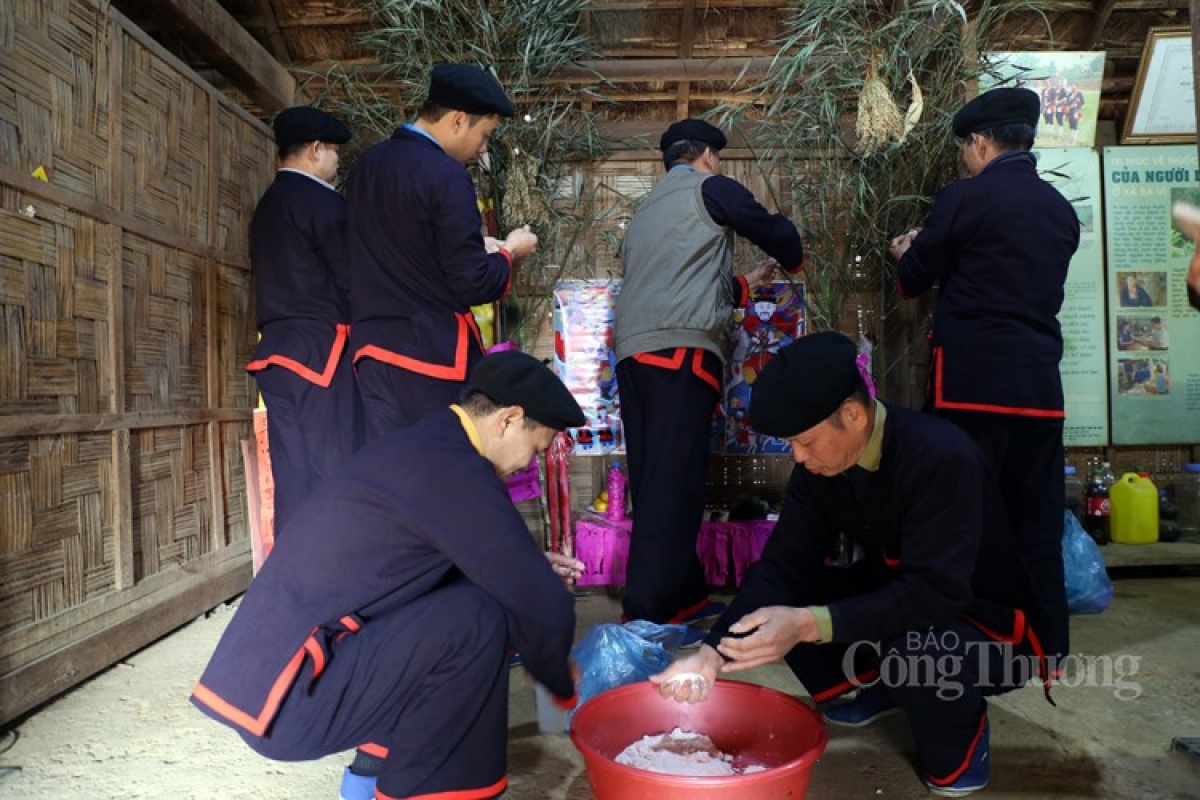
767,635
901,243
521,243
690,679
565,567
491,244
761,274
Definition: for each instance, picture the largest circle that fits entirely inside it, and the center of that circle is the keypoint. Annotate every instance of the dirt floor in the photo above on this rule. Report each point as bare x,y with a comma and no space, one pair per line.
130,732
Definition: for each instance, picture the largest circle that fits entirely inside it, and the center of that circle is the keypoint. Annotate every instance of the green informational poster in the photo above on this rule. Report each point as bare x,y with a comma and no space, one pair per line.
1153,335
1075,171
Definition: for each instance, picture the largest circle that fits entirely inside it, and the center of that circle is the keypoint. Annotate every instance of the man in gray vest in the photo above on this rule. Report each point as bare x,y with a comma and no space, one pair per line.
672,333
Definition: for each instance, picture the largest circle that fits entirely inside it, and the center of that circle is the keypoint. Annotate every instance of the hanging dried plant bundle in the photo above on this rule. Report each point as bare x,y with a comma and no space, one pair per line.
879,121
915,107
522,203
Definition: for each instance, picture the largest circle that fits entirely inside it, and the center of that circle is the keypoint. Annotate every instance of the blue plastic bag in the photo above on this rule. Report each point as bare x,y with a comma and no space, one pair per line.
1089,590
612,655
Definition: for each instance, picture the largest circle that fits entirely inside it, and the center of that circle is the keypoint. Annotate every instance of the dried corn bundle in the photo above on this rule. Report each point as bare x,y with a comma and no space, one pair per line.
879,120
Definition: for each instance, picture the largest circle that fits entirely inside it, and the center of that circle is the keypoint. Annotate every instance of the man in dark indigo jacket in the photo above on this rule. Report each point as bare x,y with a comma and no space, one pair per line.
302,303
392,636
418,259
999,245
891,567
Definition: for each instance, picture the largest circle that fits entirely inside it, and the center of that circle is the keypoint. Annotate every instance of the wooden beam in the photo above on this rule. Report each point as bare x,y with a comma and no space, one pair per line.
687,36
218,37
1104,9
270,24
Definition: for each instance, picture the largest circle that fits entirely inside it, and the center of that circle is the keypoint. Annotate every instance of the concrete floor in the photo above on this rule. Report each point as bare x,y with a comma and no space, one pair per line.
130,733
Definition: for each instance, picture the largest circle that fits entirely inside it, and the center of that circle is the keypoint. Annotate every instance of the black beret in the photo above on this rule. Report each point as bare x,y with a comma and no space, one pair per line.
464,87
513,378
302,124
803,384
692,130
1004,106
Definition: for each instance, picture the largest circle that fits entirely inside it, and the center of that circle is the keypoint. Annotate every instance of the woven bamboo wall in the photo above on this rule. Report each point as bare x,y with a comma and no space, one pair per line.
125,322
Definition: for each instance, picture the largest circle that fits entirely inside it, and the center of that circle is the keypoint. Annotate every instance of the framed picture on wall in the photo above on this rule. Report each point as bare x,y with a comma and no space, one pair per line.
1066,82
1162,108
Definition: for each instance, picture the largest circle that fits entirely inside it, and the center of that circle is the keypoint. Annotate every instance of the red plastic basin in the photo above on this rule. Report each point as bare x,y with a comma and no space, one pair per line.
752,723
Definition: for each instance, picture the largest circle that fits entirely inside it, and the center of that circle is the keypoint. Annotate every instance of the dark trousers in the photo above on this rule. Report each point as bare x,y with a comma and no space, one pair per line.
395,398
1027,456
310,431
939,675
428,682
667,419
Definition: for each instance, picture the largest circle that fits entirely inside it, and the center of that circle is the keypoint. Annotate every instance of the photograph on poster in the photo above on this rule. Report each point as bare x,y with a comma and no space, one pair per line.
1162,107
1181,241
1148,376
1142,333
1141,289
1068,84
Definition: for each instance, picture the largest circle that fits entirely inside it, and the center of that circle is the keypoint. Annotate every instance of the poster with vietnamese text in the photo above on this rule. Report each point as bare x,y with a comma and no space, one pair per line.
1075,171
1154,335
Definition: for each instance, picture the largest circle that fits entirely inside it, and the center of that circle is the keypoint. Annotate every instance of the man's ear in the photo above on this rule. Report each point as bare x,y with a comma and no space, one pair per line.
853,414
510,416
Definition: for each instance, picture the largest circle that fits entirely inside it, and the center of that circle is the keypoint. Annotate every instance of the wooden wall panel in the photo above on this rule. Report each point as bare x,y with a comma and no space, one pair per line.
125,324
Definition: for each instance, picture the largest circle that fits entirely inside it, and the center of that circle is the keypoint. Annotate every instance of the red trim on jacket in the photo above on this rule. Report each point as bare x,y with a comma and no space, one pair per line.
703,374
687,612
322,379
256,724
940,402
447,372
373,749
1018,631
459,794
743,290
651,360
894,563
845,686
508,283
953,776
675,362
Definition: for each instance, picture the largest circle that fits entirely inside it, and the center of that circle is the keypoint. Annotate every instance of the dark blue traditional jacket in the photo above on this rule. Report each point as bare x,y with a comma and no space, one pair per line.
999,244
411,511
930,529
302,283
417,258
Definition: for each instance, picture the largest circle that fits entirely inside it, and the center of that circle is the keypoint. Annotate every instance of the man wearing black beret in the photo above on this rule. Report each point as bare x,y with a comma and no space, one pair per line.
672,337
418,257
998,245
384,618
890,568
298,257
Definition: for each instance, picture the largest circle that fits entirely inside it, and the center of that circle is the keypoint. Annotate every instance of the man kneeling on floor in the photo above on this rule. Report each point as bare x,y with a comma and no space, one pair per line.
890,568
383,619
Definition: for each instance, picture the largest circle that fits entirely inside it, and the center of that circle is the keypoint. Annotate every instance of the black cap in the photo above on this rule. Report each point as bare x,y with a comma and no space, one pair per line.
1004,106
513,378
692,130
303,124
803,384
465,87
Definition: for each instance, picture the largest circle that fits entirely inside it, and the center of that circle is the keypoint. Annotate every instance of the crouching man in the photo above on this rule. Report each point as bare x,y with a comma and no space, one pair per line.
383,620
890,570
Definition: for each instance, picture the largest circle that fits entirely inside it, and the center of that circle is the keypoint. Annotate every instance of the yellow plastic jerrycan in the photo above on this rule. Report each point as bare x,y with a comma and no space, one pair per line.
1134,510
